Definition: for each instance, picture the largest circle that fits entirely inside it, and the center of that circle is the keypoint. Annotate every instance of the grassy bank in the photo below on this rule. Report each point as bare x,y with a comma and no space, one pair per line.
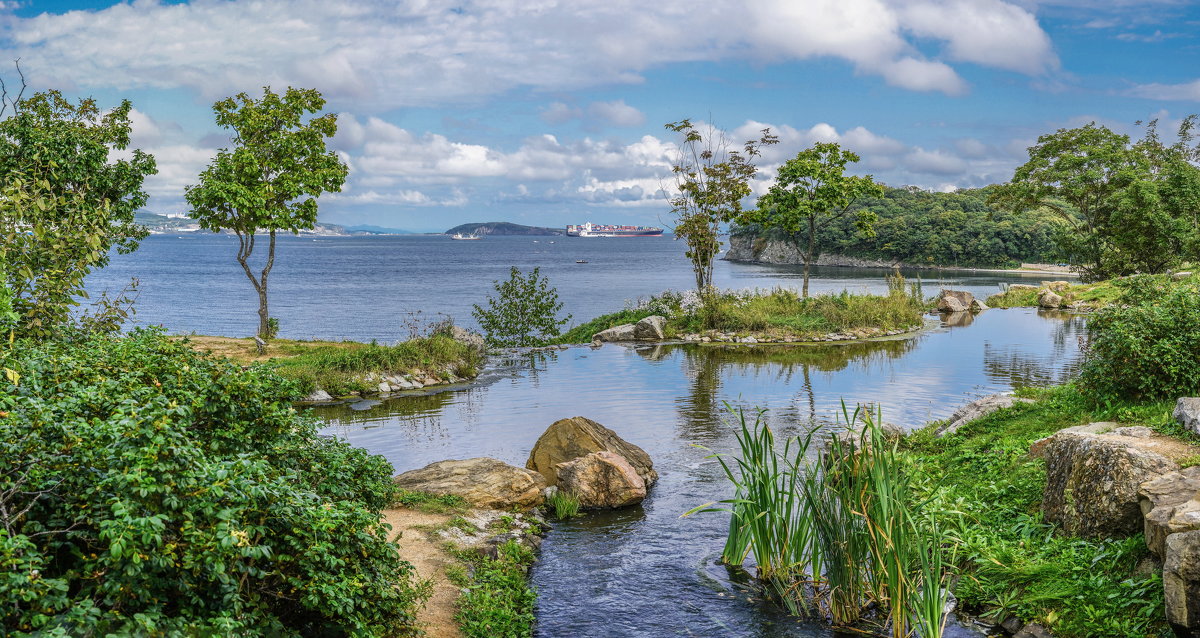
1010,561
1087,296
773,314
341,367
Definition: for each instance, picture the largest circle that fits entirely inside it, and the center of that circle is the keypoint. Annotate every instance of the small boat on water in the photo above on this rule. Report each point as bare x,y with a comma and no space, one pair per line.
581,261
462,237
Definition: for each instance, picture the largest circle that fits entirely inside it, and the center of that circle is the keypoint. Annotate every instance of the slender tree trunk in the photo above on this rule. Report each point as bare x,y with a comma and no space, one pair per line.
809,254
245,249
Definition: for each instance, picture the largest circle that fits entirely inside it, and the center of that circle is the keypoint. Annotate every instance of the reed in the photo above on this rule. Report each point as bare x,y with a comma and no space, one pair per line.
565,504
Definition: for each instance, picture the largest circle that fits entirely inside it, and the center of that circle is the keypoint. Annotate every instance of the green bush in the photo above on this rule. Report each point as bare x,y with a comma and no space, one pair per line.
524,311
152,491
1148,346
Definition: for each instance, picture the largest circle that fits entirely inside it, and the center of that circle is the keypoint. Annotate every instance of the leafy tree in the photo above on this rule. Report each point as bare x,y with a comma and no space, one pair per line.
65,202
524,311
711,182
271,179
812,191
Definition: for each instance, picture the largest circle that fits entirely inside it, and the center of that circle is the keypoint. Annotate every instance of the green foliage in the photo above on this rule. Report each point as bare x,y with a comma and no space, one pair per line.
1012,562
711,181
498,602
1148,346
431,503
272,178
153,491
524,311
64,204
564,504
1014,298
811,191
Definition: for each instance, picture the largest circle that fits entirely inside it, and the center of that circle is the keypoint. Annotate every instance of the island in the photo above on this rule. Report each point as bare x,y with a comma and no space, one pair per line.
503,228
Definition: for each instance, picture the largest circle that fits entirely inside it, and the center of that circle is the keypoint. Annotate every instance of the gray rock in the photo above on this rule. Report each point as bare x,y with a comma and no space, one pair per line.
1183,274
1187,413
484,482
976,409
1049,299
977,306
469,338
384,387
318,396
1092,482
623,332
1170,504
596,343
955,301
747,340
1181,582
1033,630
650,328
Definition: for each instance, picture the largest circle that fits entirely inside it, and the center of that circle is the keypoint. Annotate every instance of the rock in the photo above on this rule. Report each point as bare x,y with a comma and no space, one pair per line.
1170,504
1181,582
384,387
1033,630
1187,413
1056,286
568,439
484,482
1092,482
431,381
601,480
467,337
1012,624
318,396
1183,274
976,409
650,328
1049,299
1022,287
747,340
957,319
954,301
596,343
977,306
623,332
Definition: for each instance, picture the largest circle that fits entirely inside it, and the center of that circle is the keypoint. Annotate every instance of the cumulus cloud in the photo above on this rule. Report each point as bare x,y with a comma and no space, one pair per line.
378,55
1186,91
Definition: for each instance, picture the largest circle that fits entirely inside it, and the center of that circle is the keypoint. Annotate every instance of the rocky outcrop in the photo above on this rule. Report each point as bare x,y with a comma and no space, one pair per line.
623,332
1170,504
1049,299
569,439
650,328
955,301
1093,476
1181,582
1187,413
976,409
483,482
757,249
601,480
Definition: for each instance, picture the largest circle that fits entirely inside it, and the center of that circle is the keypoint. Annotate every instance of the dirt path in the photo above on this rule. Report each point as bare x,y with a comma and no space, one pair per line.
437,618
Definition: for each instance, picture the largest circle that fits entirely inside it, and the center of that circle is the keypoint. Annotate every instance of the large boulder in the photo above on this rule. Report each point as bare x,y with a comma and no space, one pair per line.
650,328
1181,582
1092,480
601,480
569,439
955,301
1187,413
976,409
1049,299
623,332
1170,504
483,482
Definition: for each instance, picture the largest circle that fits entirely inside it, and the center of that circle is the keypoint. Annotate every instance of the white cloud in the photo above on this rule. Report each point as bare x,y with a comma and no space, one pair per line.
1187,91
378,55
616,113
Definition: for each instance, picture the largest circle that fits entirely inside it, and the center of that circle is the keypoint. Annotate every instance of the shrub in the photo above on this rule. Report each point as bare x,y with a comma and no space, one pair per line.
157,492
524,311
1146,347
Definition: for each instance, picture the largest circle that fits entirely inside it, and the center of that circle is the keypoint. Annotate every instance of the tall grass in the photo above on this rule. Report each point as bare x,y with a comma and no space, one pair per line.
840,534
337,368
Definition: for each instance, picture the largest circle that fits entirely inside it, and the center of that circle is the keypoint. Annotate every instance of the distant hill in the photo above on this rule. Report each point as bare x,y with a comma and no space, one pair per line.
377,230
503,228
159,224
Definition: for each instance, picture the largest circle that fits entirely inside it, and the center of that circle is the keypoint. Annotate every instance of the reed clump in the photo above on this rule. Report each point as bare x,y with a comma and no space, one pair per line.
840,533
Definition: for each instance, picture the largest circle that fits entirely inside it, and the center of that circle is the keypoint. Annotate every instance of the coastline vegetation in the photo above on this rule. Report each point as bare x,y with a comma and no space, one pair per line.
497,601
1094,295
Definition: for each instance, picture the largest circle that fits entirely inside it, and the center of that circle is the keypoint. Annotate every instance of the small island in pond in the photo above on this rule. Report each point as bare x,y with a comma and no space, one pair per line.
502,228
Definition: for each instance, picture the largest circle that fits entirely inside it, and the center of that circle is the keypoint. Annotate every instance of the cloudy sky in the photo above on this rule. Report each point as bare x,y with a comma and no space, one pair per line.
551,112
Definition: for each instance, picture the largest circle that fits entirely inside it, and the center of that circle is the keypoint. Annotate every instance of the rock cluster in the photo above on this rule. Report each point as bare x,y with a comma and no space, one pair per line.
717,336
569,439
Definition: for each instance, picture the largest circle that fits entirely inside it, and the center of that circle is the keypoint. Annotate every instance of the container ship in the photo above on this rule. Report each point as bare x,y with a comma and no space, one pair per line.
606,230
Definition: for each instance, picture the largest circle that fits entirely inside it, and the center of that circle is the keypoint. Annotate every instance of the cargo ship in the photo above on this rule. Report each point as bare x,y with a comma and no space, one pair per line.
607,230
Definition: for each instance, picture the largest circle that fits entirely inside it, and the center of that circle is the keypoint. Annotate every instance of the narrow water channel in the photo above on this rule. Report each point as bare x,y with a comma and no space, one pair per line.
644,571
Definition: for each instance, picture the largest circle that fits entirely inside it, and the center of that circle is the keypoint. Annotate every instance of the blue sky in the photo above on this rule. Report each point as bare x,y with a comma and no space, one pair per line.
548,113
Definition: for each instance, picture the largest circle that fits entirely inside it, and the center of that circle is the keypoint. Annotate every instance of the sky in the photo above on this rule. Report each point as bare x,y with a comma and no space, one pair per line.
549,112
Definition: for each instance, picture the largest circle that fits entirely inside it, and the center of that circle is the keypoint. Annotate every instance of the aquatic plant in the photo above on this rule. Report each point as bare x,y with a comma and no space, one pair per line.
565,504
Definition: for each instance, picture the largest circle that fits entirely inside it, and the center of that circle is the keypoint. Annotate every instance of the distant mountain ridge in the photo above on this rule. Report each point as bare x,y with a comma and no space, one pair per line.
503,228
161,224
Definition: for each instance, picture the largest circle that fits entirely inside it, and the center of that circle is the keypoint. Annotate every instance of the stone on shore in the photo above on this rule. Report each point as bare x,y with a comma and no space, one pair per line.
955,301
650,328
977,409
1049,299
623,332
1170,504
318,396
978,306
601,480
483,482
1181,582
1187,413
464,336
569,439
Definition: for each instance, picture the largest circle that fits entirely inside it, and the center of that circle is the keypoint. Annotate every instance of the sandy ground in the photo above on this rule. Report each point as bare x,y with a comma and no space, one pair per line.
437,618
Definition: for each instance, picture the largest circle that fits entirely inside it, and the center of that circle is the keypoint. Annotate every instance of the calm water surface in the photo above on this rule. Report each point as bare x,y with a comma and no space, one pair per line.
644,571
365,288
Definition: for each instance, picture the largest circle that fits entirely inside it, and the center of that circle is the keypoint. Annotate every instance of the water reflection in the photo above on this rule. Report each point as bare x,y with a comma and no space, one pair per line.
645,571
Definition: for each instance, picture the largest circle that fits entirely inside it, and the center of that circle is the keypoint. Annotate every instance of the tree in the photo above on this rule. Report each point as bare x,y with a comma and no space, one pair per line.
65,201
810,192
271,179
711,182
524,311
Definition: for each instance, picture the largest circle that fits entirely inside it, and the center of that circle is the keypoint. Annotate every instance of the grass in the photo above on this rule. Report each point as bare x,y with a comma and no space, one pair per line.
1010,561
1091,295
773,314
564,504
431,503
497,601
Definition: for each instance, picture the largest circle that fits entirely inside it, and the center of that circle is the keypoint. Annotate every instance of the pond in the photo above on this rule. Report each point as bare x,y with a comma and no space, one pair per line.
645,571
